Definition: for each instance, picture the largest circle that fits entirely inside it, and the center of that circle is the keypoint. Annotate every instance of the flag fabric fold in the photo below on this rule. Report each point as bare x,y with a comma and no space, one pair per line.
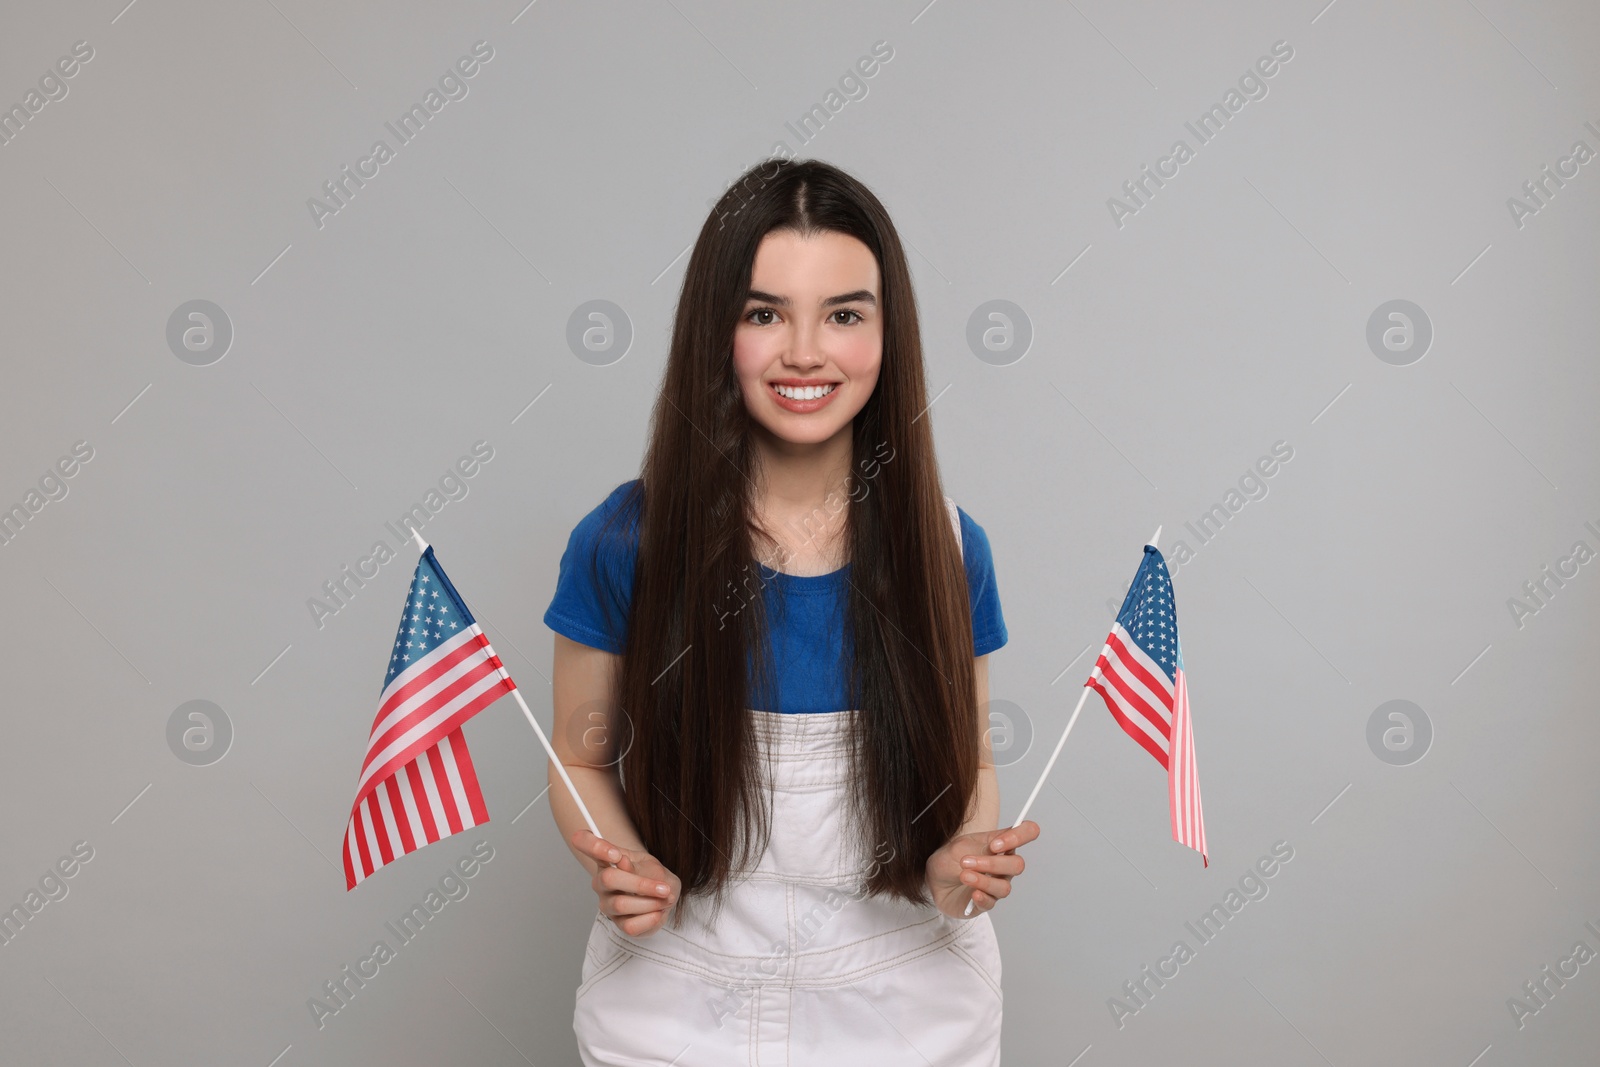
417,783
1139,675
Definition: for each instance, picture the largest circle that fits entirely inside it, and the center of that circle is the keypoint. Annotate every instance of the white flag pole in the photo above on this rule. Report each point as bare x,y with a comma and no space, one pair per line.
422,546
1023,814
561,770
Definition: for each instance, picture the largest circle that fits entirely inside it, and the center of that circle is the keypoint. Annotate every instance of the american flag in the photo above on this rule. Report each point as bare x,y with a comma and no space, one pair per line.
1140,676
417,783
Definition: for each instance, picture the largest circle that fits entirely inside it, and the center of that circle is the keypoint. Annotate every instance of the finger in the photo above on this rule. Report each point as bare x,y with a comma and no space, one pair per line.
626,904
1014,837
642,924
618,880
596,848
994,887
1007,864
982,901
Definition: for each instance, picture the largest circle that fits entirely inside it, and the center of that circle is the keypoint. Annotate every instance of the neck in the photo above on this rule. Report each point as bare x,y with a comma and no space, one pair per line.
803,487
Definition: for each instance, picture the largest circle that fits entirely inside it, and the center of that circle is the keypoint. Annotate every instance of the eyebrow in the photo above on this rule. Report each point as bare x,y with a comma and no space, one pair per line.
859,296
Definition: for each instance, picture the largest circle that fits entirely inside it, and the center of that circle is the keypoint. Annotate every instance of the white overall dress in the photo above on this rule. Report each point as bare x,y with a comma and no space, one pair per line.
801,968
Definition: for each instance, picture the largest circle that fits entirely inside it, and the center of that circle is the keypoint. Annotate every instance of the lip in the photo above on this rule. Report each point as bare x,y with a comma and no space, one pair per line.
801,407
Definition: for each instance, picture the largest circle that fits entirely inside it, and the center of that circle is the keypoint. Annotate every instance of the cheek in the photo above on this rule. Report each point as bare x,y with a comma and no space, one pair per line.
860,359
750,360
747,368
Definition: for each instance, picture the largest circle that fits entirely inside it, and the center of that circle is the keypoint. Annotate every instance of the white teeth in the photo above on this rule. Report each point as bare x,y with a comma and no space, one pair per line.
809,392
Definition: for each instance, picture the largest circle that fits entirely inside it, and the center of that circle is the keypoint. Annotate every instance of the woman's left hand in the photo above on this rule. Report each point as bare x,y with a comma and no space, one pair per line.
977,867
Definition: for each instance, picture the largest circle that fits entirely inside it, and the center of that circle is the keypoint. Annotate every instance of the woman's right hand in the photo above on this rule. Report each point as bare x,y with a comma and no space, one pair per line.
636,892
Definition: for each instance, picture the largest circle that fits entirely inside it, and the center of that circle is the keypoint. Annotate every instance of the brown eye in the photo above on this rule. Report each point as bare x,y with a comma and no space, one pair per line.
850,311
758,311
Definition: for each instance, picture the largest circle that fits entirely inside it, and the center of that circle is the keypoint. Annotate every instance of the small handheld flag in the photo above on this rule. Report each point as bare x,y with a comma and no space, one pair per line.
1139,674
417,782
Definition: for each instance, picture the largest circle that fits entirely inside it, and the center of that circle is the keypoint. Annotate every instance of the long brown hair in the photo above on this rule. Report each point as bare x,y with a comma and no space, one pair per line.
691,773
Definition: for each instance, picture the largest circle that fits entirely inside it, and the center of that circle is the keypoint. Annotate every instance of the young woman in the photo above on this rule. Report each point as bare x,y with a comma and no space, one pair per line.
771,675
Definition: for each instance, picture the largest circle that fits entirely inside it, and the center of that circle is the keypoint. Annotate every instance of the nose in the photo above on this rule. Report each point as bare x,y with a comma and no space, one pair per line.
805,353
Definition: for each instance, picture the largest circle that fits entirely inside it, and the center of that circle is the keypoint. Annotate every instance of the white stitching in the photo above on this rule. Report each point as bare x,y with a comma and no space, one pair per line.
610,968
976,966
738,982
755,1029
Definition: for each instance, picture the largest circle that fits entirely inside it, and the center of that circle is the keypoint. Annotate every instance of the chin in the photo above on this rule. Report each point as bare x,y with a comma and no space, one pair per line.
806,435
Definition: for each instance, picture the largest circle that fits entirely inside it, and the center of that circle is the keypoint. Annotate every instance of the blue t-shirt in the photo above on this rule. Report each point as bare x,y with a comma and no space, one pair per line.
804,612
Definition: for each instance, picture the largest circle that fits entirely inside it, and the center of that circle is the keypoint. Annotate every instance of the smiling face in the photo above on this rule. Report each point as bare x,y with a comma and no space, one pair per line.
808,348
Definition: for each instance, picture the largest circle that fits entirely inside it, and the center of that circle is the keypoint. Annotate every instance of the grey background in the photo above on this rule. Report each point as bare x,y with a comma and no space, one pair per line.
1168,355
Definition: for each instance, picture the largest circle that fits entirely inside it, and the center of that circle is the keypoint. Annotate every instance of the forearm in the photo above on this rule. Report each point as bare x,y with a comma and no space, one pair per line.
985,814
601,791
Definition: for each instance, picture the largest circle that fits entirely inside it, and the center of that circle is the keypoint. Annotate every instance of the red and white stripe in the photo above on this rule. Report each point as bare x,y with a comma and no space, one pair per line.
1183,778
1155,713
1136,692
417,782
